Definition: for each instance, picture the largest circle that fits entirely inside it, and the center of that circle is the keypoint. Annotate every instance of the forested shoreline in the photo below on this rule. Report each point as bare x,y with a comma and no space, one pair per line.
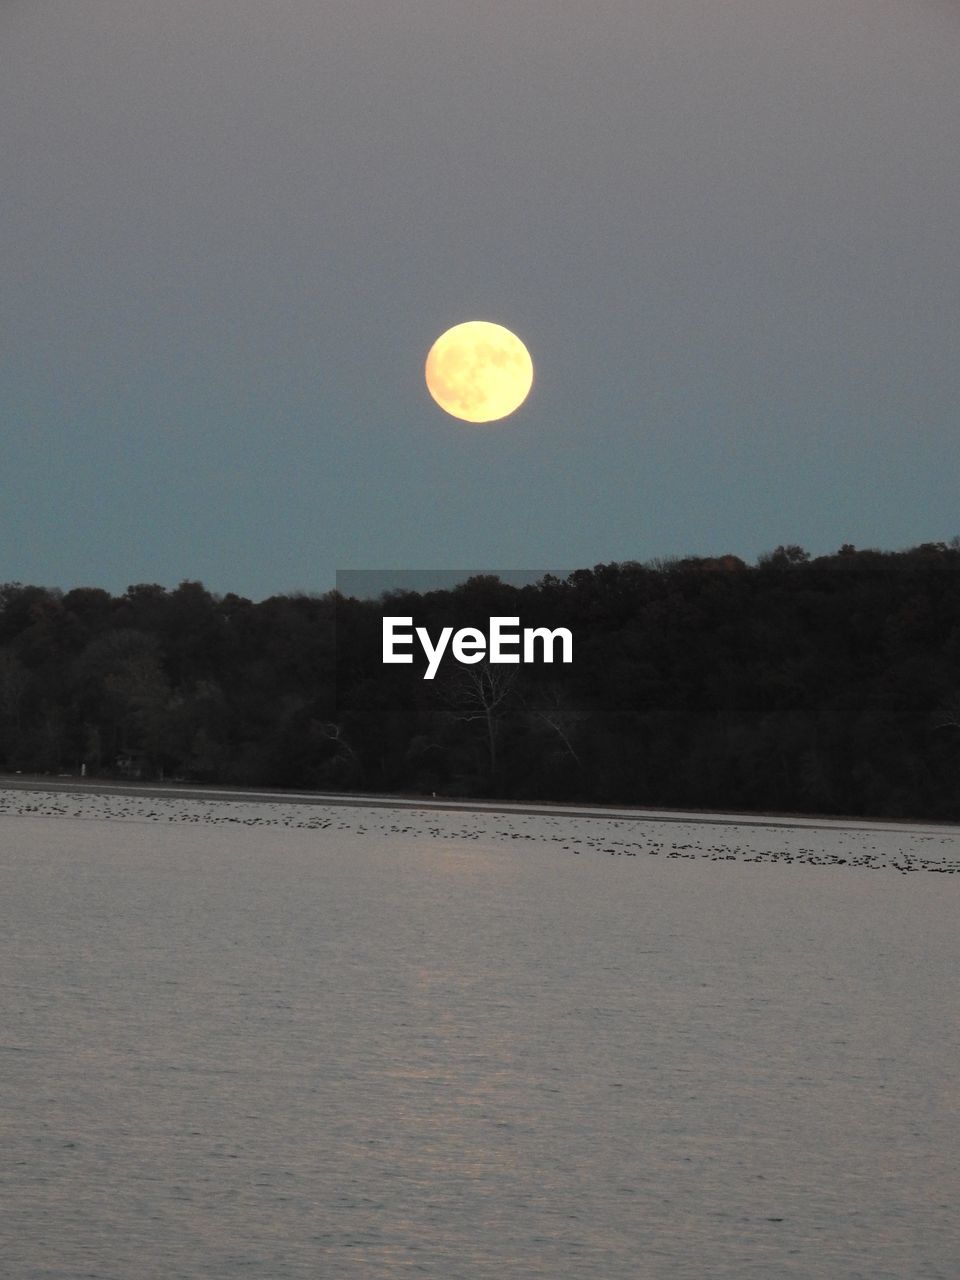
826,685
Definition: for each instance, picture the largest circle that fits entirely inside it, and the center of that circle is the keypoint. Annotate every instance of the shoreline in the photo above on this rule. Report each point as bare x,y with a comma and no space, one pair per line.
72,785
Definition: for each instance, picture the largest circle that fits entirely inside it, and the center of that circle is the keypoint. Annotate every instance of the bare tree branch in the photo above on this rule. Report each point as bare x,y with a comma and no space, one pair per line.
482,693
552,709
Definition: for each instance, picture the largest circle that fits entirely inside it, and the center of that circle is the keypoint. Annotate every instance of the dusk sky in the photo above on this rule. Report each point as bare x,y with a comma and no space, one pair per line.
728,231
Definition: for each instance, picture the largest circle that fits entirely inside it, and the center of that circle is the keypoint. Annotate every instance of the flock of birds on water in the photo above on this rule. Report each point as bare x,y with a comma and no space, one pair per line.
867,848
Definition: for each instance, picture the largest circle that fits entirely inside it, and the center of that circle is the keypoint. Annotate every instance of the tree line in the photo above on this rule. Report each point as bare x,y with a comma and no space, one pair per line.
821,685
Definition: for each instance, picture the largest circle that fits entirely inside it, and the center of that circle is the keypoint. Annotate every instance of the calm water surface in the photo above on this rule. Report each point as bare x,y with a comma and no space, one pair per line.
290,1054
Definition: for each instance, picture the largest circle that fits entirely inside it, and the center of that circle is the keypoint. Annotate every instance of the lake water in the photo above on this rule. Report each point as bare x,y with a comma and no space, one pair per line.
301,1043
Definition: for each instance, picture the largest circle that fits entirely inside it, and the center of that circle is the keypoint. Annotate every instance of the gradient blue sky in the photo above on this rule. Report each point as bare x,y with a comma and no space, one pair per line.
231,230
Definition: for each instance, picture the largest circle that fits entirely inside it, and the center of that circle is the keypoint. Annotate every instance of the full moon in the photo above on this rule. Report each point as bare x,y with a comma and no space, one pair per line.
479,371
